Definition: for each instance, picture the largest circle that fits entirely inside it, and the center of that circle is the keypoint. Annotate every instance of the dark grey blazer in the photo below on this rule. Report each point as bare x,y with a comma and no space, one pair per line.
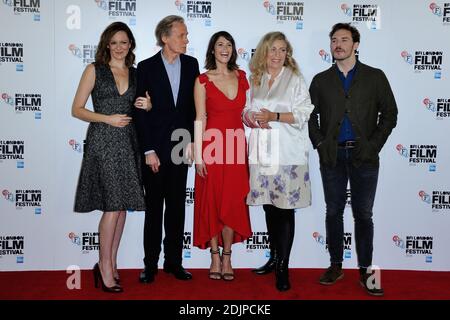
371,108
156,126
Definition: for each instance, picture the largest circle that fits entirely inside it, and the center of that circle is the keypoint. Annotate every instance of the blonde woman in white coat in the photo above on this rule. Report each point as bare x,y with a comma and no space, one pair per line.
278,110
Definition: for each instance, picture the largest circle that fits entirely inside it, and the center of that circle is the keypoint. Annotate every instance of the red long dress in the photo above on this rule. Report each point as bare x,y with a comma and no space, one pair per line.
220,196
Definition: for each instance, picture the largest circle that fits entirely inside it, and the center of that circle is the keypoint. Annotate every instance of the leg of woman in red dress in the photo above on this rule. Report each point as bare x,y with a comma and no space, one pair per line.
227,270
215,270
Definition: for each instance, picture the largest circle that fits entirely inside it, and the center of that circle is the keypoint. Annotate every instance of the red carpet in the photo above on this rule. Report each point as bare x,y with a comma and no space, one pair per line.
398,285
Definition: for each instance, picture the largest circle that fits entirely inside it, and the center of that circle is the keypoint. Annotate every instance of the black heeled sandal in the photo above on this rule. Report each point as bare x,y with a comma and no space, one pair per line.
227,276
214,275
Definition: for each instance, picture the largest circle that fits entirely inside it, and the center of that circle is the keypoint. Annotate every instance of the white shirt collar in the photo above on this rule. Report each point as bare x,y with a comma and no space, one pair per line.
268,76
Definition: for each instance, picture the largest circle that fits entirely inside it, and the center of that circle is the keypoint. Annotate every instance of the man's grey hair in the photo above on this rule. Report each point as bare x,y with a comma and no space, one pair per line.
164,28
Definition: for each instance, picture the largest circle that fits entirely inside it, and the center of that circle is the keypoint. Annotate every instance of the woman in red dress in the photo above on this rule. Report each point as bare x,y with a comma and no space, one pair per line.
221,215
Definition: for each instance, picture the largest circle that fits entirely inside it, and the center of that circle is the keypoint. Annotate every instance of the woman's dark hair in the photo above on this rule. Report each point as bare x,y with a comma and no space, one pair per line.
103,56
210,61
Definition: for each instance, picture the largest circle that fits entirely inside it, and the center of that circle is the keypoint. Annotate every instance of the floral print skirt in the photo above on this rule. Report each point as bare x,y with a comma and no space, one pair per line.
285,187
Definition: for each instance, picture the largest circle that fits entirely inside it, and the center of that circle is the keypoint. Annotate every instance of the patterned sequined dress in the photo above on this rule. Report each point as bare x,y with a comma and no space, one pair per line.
110,176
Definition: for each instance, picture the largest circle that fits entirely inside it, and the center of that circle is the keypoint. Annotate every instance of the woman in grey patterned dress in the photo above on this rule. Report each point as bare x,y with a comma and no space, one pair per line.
110,177
278,113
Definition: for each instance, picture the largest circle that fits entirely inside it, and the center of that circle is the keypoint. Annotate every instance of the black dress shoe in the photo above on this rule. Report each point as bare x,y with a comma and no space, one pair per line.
267,268
147,275
179,272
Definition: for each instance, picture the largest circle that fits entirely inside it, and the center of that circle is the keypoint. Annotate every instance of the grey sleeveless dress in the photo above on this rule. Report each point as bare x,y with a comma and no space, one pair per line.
110,176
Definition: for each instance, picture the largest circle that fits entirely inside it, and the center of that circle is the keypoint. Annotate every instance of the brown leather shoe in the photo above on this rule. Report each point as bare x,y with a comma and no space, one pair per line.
368,284
333,274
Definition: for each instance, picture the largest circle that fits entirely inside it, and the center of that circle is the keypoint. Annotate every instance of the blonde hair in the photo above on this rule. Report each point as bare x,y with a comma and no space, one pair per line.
258,61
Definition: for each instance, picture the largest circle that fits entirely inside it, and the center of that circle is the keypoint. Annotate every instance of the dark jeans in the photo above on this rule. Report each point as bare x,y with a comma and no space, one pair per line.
363,185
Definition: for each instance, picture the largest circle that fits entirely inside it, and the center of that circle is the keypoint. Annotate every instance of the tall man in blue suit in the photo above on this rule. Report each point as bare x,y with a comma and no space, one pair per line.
169,78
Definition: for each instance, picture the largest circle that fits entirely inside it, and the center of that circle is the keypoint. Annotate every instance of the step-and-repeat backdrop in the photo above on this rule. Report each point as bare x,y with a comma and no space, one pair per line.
46,44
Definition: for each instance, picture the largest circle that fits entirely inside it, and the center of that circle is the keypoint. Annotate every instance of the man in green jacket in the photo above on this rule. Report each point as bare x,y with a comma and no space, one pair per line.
355,112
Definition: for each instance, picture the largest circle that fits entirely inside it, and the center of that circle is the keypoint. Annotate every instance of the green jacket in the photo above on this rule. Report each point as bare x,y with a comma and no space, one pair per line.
371,108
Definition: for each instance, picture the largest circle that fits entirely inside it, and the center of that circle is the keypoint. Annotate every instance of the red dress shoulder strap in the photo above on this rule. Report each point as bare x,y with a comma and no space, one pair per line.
203,78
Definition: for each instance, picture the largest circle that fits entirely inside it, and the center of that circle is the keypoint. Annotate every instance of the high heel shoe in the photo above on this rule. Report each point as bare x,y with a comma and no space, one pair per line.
214,275
227,276
98,276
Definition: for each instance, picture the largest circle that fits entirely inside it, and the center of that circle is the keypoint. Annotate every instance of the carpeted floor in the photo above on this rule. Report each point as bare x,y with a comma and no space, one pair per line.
398,285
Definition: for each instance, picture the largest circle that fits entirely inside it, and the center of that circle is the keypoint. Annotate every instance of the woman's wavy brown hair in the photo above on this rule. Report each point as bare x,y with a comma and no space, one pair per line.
103,56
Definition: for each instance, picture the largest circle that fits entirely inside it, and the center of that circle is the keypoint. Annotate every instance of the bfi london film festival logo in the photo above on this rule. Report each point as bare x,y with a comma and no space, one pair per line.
347,241
76,146
13,246
13,150
12,53
425,61
88,241
85,52
442,12
195,10
370,14
23,199
187,245
119,9
420,154
20,7
439,201
416,246
439,107
259,241
24,103
287,11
